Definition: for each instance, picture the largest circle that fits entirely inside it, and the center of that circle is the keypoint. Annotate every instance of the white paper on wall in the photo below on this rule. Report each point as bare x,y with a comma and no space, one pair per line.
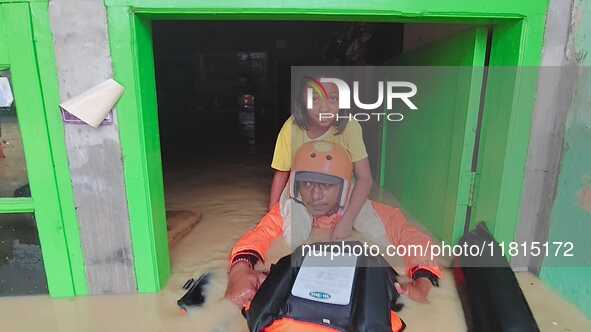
6,96
93,106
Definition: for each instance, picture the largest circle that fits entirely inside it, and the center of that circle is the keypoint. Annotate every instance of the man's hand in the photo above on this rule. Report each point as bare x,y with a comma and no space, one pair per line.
343,229
417,290
243,283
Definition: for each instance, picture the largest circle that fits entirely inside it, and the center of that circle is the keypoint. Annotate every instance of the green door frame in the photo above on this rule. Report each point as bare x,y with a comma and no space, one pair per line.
518,28
26,49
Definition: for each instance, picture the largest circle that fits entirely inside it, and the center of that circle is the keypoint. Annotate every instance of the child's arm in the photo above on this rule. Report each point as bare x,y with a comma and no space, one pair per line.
281,163
359,195
279,180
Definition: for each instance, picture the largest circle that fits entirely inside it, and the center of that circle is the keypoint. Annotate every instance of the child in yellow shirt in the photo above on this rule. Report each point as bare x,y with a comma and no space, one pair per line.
308,125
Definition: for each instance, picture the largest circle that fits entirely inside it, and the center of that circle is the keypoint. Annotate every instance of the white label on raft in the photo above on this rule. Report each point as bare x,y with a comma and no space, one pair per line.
326,279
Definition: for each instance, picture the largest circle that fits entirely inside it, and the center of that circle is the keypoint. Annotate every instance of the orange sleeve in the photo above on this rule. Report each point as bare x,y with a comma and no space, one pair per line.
260,238
402,233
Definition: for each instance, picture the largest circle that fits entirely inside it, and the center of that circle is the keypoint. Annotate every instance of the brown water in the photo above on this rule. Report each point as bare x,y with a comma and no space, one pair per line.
232,197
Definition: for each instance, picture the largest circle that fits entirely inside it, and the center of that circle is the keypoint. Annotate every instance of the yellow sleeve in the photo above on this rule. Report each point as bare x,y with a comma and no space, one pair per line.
282,154
353,136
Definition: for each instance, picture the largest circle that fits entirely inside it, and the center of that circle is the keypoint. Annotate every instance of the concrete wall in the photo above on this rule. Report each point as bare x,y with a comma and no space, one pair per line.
546,140
570,215
83,60
556,204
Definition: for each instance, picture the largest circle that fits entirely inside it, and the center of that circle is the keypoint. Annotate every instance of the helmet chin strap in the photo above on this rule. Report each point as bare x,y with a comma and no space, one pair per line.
336,213
336,209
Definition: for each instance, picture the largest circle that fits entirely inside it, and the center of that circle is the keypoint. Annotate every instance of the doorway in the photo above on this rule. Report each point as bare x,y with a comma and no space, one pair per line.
223,93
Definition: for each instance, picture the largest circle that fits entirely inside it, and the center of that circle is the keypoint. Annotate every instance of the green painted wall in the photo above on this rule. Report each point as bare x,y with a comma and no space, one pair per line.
570,219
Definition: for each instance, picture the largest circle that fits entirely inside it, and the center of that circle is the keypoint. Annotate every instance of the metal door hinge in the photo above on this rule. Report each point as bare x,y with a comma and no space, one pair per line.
472,188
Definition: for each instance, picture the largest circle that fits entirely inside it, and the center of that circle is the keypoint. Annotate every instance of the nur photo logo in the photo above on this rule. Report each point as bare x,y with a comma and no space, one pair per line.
387,92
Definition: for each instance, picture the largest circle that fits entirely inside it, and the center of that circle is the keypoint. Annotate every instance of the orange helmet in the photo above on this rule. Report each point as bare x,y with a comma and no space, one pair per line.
325,162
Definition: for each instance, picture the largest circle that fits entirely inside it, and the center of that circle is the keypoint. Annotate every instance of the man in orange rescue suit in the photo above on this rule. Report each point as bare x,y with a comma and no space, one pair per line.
317,194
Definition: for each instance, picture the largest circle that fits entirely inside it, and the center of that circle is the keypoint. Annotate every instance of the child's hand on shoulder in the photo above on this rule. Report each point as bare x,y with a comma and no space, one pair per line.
343,229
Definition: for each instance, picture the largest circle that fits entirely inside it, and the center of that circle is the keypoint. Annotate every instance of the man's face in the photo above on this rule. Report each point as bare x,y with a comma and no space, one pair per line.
320,199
